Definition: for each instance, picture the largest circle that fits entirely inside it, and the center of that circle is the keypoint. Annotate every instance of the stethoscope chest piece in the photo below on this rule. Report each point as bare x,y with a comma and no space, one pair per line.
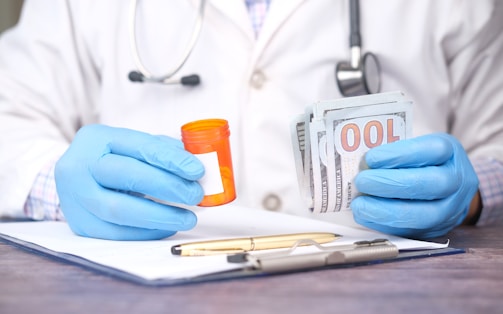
357,80
361,75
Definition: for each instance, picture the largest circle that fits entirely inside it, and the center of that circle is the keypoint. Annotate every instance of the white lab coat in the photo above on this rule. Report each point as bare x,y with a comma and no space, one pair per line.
66,65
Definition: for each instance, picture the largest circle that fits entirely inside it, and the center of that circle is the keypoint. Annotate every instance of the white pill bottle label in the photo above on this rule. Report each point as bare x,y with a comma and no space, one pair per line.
211,182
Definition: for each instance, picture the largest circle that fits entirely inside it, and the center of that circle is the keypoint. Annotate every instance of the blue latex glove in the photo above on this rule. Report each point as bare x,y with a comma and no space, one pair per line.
104,173
419,188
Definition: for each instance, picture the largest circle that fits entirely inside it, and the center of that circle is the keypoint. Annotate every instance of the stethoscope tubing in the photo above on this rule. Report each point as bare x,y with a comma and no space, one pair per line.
359,76
147,75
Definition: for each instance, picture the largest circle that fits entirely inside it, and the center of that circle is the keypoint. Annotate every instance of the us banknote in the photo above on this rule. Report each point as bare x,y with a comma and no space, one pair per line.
331,138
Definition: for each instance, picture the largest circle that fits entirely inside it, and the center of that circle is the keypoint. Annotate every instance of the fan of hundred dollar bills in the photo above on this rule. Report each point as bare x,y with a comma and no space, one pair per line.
331,138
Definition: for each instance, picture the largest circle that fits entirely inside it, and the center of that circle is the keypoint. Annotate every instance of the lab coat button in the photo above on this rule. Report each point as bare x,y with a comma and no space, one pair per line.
271,202
258,79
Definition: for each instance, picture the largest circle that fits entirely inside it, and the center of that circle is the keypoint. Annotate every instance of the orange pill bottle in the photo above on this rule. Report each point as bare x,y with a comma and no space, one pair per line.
208,140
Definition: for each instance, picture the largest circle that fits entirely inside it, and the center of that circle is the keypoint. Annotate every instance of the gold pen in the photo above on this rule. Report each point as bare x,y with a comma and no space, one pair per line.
237,245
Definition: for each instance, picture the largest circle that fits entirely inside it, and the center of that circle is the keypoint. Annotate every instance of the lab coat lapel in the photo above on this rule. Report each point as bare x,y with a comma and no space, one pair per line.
279,12
235,11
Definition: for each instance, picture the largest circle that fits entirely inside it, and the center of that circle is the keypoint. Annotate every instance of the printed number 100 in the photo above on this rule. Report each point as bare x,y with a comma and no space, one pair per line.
374,133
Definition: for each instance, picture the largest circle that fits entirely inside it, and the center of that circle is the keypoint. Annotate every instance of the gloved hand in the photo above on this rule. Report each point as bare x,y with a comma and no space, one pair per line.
419,188
102,177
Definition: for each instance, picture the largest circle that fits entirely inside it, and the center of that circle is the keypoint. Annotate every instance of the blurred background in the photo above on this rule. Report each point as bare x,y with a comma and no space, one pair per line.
9,13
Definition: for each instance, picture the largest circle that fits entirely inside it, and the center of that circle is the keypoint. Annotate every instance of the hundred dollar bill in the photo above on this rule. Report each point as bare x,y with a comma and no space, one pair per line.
331,137
301,139
302,151
319,161
351,132
322,108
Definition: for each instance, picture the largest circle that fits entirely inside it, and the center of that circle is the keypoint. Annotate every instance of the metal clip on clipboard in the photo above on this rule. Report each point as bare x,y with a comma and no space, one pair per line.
359,252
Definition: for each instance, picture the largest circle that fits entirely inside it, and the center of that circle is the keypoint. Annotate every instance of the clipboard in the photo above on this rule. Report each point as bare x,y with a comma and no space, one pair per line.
151,262
241,273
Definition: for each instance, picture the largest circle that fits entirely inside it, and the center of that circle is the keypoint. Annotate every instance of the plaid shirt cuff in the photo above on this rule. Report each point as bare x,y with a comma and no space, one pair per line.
43,201
490,173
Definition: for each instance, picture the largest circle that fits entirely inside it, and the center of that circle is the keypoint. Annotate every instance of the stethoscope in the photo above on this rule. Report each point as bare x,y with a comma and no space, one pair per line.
359,76
142,74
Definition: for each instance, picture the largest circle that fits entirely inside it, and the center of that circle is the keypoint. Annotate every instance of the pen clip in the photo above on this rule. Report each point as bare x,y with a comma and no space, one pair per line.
359,251
239,256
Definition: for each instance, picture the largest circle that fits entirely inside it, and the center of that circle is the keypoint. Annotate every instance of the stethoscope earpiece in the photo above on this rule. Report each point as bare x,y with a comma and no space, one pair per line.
188,80
135,76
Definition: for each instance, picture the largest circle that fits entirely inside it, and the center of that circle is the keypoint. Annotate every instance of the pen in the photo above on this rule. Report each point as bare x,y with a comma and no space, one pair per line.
236,245
359,252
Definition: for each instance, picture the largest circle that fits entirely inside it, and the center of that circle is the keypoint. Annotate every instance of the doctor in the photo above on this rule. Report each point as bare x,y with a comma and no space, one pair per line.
80,139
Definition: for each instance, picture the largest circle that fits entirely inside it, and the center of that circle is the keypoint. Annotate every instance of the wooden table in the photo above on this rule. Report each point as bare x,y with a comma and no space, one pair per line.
461,283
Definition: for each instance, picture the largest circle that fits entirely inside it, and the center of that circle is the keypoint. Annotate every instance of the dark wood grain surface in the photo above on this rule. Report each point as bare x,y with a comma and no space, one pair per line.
464,283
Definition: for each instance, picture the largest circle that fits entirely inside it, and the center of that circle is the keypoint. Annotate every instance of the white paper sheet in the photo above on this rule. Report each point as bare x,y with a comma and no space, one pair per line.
152,260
